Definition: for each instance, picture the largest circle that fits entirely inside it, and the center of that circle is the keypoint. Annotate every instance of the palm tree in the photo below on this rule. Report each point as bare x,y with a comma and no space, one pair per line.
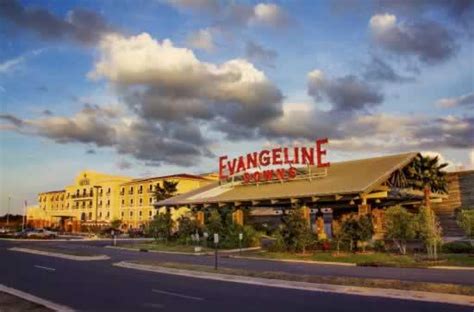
169,189
425,173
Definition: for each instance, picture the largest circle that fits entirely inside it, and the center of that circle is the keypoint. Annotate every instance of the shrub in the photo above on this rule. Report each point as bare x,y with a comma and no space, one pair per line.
465,220
458,247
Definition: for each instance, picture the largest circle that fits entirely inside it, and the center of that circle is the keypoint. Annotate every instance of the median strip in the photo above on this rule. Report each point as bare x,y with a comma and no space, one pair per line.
419,291
60,255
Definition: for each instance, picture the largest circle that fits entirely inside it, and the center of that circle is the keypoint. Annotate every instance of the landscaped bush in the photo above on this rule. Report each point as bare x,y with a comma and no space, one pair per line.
458,247
465,220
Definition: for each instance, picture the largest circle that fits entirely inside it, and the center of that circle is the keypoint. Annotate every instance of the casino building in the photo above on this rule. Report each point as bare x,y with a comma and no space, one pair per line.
96,199
324,192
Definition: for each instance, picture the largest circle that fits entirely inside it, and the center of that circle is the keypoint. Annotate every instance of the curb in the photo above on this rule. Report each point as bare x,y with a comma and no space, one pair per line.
296,261
161,251
60,255
340,289
206,253
447,267
29,297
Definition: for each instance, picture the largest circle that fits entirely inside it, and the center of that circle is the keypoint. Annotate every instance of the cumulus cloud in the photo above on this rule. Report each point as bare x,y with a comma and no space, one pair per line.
259,54
80,25
202,39
429,41
466,100
165,82
346,93
378,70
153,143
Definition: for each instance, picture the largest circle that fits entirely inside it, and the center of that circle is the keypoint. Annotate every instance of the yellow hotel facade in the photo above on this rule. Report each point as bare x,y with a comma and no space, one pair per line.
96,199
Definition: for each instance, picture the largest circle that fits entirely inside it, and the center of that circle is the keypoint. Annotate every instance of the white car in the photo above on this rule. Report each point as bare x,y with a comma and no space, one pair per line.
41,233
4,230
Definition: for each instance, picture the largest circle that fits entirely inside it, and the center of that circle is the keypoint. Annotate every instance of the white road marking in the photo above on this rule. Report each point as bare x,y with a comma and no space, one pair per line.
176,295
49,304
44,268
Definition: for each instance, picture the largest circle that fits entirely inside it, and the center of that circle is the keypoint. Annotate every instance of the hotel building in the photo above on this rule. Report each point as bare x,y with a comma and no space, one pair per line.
96,199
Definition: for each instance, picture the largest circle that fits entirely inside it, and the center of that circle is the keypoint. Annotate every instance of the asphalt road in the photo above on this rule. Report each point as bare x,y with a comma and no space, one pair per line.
99,286
425,275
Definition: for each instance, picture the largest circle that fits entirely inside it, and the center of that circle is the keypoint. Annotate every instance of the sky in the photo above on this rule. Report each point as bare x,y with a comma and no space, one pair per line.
146,88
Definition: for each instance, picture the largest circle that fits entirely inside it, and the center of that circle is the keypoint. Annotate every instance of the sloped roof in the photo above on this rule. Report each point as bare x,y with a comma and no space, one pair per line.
172,176
348,177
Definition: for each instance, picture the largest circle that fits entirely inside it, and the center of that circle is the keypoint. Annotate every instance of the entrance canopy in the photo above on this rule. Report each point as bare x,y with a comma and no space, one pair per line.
342,182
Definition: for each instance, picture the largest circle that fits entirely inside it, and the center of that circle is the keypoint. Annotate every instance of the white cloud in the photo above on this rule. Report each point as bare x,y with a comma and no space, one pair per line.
202,39
382,22
268,14
142,60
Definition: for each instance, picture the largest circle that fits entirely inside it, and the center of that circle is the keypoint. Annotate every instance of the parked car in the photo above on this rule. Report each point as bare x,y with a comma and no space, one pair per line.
41,233
4,230
22,233
107,232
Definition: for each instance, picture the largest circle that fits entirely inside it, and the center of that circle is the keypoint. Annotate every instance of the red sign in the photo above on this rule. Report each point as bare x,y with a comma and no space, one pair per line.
291,156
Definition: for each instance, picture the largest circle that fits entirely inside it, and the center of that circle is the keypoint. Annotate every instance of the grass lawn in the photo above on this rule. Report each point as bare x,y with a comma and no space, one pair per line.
372,258
334,280
160,246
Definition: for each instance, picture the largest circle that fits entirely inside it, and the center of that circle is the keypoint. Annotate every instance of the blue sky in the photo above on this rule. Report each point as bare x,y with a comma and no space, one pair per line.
144,88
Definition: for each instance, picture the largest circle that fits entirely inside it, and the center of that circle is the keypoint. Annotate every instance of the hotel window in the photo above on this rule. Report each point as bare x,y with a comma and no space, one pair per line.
100,202
140,189
131,202
151,200
150,214
150,188
90,215
84,191
140,201
122,191
108,191
100,214
108,202
123,202
131,213
131,190
140,213
123,214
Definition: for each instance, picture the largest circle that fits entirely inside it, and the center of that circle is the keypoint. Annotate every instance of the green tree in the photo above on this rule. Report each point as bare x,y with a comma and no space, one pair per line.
187,227
214,223
400,227
296,231
115,224
429,231
357,228
337,235
169,189
465,219
161,226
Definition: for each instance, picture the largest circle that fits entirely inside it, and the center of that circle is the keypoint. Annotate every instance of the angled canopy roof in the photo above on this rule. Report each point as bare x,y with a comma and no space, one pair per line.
343,178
